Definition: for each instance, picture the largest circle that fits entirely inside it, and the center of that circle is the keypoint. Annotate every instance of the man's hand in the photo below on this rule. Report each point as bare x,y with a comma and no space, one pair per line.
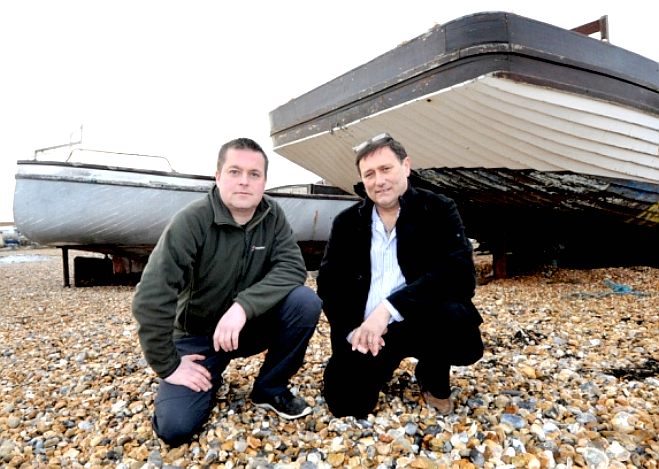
191,374
228,329
368,336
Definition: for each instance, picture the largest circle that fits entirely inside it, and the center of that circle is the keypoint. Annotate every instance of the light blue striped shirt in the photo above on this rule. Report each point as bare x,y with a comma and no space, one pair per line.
386,276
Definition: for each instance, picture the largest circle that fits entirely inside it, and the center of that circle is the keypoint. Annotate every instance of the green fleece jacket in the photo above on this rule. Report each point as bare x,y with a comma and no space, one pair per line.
204,262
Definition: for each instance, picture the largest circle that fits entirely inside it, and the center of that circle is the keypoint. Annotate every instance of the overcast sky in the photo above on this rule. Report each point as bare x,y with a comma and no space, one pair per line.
178,79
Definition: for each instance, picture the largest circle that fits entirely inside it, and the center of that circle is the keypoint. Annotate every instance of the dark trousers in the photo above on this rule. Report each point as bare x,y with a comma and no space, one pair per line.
353,381
284,331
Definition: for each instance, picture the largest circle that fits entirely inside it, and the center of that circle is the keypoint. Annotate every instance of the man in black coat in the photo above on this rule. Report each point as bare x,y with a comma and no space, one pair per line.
396,281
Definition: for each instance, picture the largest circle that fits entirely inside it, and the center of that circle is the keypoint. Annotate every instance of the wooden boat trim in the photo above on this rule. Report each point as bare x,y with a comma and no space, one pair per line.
508,45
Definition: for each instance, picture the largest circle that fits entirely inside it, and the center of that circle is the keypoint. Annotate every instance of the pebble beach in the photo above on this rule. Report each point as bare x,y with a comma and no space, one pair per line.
570,378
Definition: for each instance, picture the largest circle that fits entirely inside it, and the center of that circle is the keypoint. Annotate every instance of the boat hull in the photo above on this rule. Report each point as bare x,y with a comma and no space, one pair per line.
524,124
541,215
124,212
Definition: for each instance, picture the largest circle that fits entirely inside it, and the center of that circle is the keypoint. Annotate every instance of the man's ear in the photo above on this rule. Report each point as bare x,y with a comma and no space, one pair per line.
407,164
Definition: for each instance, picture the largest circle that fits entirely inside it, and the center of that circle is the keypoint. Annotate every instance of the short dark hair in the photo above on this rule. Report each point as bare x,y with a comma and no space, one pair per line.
240,144
375,143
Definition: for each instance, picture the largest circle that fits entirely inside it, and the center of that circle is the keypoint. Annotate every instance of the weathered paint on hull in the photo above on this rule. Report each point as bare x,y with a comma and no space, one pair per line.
548,215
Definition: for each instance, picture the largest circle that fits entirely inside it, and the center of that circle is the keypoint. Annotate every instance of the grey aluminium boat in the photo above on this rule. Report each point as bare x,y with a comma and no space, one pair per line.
122,211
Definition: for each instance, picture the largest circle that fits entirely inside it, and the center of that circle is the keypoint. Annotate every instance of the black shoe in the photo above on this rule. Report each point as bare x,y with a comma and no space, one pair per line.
286,405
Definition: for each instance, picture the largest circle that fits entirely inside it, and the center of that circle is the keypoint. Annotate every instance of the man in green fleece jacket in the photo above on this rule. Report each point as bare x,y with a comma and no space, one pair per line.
225,280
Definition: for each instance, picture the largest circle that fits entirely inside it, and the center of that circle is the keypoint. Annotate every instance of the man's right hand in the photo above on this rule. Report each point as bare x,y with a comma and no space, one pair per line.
191,374
368,336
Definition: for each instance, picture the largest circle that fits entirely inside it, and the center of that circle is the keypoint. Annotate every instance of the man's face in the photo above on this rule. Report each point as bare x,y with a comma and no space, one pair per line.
241,180
384,177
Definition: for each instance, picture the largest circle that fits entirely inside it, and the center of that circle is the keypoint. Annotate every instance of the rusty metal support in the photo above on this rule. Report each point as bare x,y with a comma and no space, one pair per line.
501,255
65,266
500,264
598,26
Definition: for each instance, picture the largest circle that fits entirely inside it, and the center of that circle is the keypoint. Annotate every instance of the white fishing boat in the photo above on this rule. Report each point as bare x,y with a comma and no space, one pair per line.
122,211
547,139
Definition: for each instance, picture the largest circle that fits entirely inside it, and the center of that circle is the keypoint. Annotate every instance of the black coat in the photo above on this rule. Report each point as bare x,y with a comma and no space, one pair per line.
434,255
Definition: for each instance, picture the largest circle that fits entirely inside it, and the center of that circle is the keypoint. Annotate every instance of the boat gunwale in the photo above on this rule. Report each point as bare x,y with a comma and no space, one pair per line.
122,169
474,45
156,186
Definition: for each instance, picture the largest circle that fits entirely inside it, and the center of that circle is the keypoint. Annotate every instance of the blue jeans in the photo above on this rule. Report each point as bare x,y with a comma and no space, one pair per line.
284,331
